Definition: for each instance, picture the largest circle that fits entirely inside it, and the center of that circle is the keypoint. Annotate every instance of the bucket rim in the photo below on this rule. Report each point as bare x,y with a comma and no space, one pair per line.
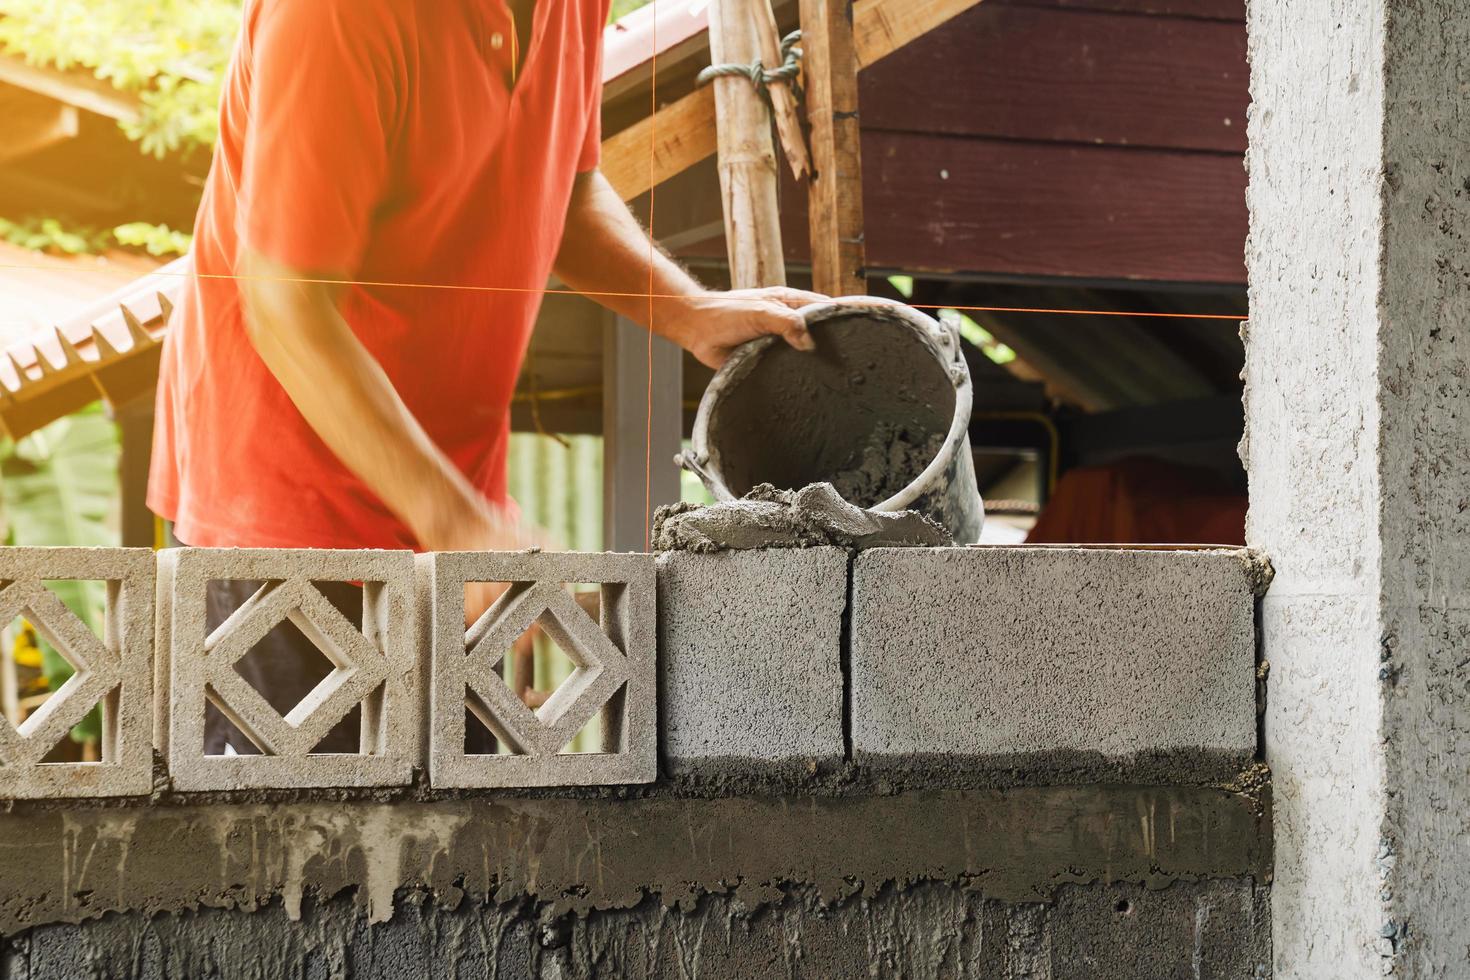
942,340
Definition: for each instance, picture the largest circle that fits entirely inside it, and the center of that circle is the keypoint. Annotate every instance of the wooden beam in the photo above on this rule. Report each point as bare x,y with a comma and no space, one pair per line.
836,190
683,133
75,88
674,139
881,27
749,177
33,123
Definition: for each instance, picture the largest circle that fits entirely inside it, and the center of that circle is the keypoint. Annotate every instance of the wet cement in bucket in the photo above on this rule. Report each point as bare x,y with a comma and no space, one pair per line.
893,458
867,412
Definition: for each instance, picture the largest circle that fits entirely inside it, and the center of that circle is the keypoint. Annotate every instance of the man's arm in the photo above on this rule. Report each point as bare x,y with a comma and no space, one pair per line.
605,254
347,399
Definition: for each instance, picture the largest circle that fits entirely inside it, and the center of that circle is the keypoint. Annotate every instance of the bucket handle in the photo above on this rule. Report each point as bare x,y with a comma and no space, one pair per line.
694,464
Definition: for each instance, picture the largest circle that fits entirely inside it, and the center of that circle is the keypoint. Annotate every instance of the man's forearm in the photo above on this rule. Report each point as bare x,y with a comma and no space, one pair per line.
348,400
605,254
608,256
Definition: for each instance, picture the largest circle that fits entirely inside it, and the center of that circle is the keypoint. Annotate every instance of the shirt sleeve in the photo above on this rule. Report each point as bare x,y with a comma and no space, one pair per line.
322,106
591,155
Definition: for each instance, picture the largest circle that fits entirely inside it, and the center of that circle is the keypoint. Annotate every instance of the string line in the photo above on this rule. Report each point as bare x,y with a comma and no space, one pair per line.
651,296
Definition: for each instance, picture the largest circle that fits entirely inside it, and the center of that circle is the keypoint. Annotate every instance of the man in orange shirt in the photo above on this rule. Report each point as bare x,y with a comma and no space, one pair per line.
394,183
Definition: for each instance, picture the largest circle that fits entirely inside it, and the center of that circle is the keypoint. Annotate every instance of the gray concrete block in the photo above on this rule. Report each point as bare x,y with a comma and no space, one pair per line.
750,657
614,681
1066,658
378,668
115,670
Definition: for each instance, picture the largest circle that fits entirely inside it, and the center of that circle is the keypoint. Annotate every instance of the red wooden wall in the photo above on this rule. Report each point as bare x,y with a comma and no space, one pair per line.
1096,139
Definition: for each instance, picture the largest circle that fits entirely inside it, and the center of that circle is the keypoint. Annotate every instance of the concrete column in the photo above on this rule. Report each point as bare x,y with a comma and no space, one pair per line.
1358,448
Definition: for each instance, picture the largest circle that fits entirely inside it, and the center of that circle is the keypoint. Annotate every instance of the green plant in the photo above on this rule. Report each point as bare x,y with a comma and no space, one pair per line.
171,53
52,236
49,235
59,487
157,239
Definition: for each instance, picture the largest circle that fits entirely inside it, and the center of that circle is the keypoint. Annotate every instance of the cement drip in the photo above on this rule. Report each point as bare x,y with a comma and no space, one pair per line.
814,516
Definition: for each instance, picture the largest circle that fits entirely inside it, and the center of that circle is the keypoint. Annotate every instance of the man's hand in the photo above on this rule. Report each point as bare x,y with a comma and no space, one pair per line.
710,324
605,254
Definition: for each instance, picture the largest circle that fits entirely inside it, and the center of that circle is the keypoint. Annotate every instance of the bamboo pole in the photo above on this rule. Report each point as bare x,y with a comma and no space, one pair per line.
783,94
747,157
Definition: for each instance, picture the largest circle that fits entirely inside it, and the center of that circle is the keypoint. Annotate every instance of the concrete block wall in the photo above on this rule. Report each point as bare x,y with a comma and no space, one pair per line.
1050,664
858,697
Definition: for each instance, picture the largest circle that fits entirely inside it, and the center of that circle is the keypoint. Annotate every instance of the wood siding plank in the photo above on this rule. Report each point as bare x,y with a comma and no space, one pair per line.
940,204
1077,76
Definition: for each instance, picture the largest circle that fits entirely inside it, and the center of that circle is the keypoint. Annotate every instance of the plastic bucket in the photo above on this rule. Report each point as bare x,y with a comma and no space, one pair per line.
881,410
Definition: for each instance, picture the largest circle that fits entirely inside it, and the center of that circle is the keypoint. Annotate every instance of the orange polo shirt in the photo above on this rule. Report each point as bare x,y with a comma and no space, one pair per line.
399,142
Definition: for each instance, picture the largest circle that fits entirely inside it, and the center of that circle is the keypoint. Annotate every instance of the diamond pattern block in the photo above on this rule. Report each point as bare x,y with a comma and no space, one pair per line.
375,668
613,679
114,671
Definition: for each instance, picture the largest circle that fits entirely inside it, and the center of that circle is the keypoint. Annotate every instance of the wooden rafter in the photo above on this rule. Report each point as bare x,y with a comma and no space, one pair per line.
683,133
73,88
33,123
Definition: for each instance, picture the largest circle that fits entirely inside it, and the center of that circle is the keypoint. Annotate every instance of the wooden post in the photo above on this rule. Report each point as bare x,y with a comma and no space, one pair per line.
625,430
836,189
135,422
747,157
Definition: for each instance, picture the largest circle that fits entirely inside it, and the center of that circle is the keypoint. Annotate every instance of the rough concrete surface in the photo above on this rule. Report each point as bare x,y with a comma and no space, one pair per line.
115,669
1358,372
1212,930
615,679
807,518
750,657
579,855
378,668
584,857
1065,658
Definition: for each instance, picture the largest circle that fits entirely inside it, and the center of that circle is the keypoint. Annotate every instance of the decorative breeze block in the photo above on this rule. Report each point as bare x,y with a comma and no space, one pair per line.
614,674
114,671
375,667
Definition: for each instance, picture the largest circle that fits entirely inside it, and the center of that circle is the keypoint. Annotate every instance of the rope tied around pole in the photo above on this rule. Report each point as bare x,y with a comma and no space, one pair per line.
757,74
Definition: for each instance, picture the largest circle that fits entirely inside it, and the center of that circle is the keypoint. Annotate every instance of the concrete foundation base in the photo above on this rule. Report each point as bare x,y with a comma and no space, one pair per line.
1205,929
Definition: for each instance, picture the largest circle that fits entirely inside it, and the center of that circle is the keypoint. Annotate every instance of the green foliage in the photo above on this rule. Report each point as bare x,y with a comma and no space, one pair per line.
59,487
51,236
171,53
157,239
